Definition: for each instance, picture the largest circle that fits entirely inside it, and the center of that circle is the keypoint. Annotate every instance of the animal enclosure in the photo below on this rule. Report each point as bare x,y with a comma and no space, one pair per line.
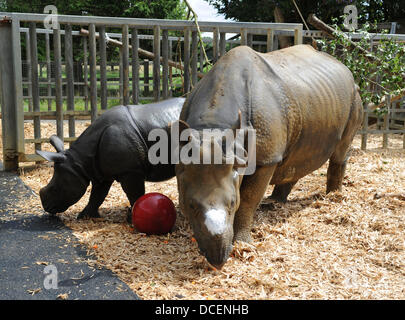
93,63
65,87
342,245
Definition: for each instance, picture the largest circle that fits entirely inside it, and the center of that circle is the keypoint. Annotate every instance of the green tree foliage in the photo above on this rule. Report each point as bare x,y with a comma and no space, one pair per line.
156,9
263,10
159,9
375,77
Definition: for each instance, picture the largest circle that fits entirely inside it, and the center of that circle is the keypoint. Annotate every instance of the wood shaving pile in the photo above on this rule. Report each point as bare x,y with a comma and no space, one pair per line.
344,245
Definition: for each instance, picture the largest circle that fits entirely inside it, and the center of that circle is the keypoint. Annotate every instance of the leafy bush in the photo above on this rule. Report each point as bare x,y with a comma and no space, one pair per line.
378,73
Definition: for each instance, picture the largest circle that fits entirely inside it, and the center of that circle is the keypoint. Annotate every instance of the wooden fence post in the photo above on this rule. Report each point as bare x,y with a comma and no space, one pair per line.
222,44
93,72
215,45
386,121
145,77
186,60
135,66
11,93
58,82
125,64
270,40
249,42
28,66
194,57
364,128
48,70
85,74
103,66
165,62
403,137
70,90
156,63
34,81
298,35
243,37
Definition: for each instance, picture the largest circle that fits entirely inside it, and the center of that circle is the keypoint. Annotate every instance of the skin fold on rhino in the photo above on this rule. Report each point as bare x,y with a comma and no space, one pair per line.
114,147
305,109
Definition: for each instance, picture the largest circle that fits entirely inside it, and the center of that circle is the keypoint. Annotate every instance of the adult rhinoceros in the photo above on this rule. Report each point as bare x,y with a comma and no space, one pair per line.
305,109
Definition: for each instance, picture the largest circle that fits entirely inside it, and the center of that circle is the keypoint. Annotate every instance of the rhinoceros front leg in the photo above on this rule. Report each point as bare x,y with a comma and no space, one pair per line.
134,187
251,193
98,193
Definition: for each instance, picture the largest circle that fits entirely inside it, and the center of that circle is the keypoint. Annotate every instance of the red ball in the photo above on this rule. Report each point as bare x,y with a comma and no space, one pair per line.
153,213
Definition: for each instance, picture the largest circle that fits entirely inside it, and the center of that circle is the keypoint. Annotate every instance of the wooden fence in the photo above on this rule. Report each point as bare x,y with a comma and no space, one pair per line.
388,122
55,88
61,83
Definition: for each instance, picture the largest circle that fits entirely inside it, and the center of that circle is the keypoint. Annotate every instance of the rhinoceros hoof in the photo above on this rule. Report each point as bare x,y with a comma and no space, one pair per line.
129,215
87,213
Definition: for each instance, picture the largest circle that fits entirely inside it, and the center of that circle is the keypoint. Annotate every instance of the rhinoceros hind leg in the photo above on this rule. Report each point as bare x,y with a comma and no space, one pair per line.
251,193
338,160
336,172
337,164
98,193
281,191
134,187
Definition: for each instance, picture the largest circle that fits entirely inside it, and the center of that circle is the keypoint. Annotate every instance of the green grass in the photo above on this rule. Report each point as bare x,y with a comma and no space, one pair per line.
79,104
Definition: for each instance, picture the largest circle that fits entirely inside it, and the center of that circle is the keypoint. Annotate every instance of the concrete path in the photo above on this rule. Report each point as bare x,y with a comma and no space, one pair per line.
31,244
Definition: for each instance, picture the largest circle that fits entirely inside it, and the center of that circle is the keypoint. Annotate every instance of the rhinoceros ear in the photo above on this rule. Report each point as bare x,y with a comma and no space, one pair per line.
51,156
57,143
181,124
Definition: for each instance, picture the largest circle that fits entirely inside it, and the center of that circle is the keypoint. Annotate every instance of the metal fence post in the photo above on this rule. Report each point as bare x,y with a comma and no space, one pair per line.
11,93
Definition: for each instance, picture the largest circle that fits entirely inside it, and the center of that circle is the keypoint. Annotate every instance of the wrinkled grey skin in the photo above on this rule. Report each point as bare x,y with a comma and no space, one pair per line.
114,147
305,108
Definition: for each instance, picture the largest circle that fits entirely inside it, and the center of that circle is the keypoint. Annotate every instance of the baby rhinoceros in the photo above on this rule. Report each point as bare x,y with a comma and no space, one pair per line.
114,147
